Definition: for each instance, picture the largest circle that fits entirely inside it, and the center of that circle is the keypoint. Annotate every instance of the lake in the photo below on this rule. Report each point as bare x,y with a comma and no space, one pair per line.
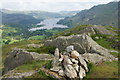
49,24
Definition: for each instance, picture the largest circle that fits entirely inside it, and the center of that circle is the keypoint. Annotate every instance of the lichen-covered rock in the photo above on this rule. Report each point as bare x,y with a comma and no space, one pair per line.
39,57
96,30
71,65
15,58
82,43
19,56
94,58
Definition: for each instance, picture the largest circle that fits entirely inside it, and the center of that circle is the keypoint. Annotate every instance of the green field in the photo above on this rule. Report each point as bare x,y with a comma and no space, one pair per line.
103,70
36,38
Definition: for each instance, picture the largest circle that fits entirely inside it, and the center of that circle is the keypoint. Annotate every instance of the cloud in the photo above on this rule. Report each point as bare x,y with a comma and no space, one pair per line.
51,5
56,0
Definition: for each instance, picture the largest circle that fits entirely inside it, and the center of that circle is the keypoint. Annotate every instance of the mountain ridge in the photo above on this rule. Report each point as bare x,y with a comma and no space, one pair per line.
105,15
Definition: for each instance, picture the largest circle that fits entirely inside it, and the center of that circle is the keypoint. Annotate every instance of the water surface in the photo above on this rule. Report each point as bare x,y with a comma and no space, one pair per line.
49,24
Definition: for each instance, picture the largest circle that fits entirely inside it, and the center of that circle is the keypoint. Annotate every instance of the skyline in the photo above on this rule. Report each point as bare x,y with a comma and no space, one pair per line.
50,5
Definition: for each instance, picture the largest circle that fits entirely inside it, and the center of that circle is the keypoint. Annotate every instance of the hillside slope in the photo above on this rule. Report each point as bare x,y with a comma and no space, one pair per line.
94,45
36,13
20,19
106,14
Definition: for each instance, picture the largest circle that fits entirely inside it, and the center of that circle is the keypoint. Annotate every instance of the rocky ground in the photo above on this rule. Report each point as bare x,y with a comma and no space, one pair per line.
70,59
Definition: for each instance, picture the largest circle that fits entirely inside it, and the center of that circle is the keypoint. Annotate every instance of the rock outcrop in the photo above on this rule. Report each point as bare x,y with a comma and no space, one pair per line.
71,64
34,45
94,58
19,56
82,43
96,30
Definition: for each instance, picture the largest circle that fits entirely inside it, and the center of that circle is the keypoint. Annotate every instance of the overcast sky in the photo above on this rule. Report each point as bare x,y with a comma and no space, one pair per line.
50,5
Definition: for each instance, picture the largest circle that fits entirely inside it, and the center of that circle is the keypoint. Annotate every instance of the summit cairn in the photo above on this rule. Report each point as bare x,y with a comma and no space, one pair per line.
69,63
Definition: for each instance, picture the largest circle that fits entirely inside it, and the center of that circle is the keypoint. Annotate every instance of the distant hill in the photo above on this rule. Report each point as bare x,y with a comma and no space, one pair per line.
35,14
21,19
43,14
68,13
106,14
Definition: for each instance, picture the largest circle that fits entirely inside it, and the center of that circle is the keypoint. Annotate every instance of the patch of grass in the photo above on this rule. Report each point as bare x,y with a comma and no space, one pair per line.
110,28
31,66
8,29
91,68
36,38
115,54
40,76
53,31
21,44
102,40
49,65
71,31
35,26
43,49
104,70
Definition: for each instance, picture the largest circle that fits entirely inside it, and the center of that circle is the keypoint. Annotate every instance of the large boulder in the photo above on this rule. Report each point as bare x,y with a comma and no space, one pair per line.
15,58
94,58
19,56
82,43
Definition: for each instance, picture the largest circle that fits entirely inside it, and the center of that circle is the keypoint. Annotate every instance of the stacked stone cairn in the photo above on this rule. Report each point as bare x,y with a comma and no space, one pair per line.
69,64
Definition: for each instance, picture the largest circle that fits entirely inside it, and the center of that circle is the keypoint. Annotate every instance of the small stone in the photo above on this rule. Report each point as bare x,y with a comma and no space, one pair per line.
75,54
56,69
96,37
83,63
55,62
70,71
56,52
61,72
82,73
76,67
74,61
34,45
70,48
66,60
61,58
